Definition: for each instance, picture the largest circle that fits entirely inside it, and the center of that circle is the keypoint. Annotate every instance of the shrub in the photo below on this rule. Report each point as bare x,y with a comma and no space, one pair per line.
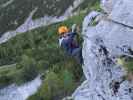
35,97
127,62
68,81
28,70
5,80
51,87
129,65
42,66
55,86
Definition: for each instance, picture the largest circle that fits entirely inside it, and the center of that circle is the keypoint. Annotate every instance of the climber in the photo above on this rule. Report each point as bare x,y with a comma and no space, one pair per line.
68,41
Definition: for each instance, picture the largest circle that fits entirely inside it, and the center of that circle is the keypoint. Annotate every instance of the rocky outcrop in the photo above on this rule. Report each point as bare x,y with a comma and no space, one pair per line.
109,39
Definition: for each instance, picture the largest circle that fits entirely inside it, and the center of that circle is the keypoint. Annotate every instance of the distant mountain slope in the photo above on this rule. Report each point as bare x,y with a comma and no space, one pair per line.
13,13
3,1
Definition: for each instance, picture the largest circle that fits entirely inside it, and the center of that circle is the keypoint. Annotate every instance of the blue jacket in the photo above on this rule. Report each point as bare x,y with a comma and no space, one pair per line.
68,42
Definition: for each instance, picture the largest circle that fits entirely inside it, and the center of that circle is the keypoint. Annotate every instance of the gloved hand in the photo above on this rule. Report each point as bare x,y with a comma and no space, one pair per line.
74,28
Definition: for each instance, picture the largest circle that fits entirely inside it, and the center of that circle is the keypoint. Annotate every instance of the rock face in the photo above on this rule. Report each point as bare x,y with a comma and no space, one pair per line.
110,38
123,12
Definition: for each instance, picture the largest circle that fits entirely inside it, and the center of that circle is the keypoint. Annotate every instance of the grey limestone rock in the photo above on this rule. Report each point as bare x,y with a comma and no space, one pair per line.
110,38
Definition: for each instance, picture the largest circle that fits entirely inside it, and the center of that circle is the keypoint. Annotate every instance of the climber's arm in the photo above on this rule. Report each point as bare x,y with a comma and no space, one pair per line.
71,36
68,39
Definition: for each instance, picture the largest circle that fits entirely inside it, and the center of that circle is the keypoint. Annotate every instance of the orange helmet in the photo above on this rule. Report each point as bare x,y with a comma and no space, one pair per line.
63,29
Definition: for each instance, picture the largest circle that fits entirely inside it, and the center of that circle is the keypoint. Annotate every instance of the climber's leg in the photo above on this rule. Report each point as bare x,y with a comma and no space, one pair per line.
77,54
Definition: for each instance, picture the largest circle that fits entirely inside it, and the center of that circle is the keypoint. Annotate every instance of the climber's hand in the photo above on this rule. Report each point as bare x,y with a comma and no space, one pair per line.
74,28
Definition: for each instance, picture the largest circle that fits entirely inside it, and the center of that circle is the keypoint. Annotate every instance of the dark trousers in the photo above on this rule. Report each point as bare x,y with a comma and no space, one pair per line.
77,54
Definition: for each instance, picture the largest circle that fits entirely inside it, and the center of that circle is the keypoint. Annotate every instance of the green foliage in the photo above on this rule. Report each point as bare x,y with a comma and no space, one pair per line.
55,86
36,52
89,5
52,86
96,6
28,70
68,81
7,74
94,22
37,44
35,97
128,64
5,80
